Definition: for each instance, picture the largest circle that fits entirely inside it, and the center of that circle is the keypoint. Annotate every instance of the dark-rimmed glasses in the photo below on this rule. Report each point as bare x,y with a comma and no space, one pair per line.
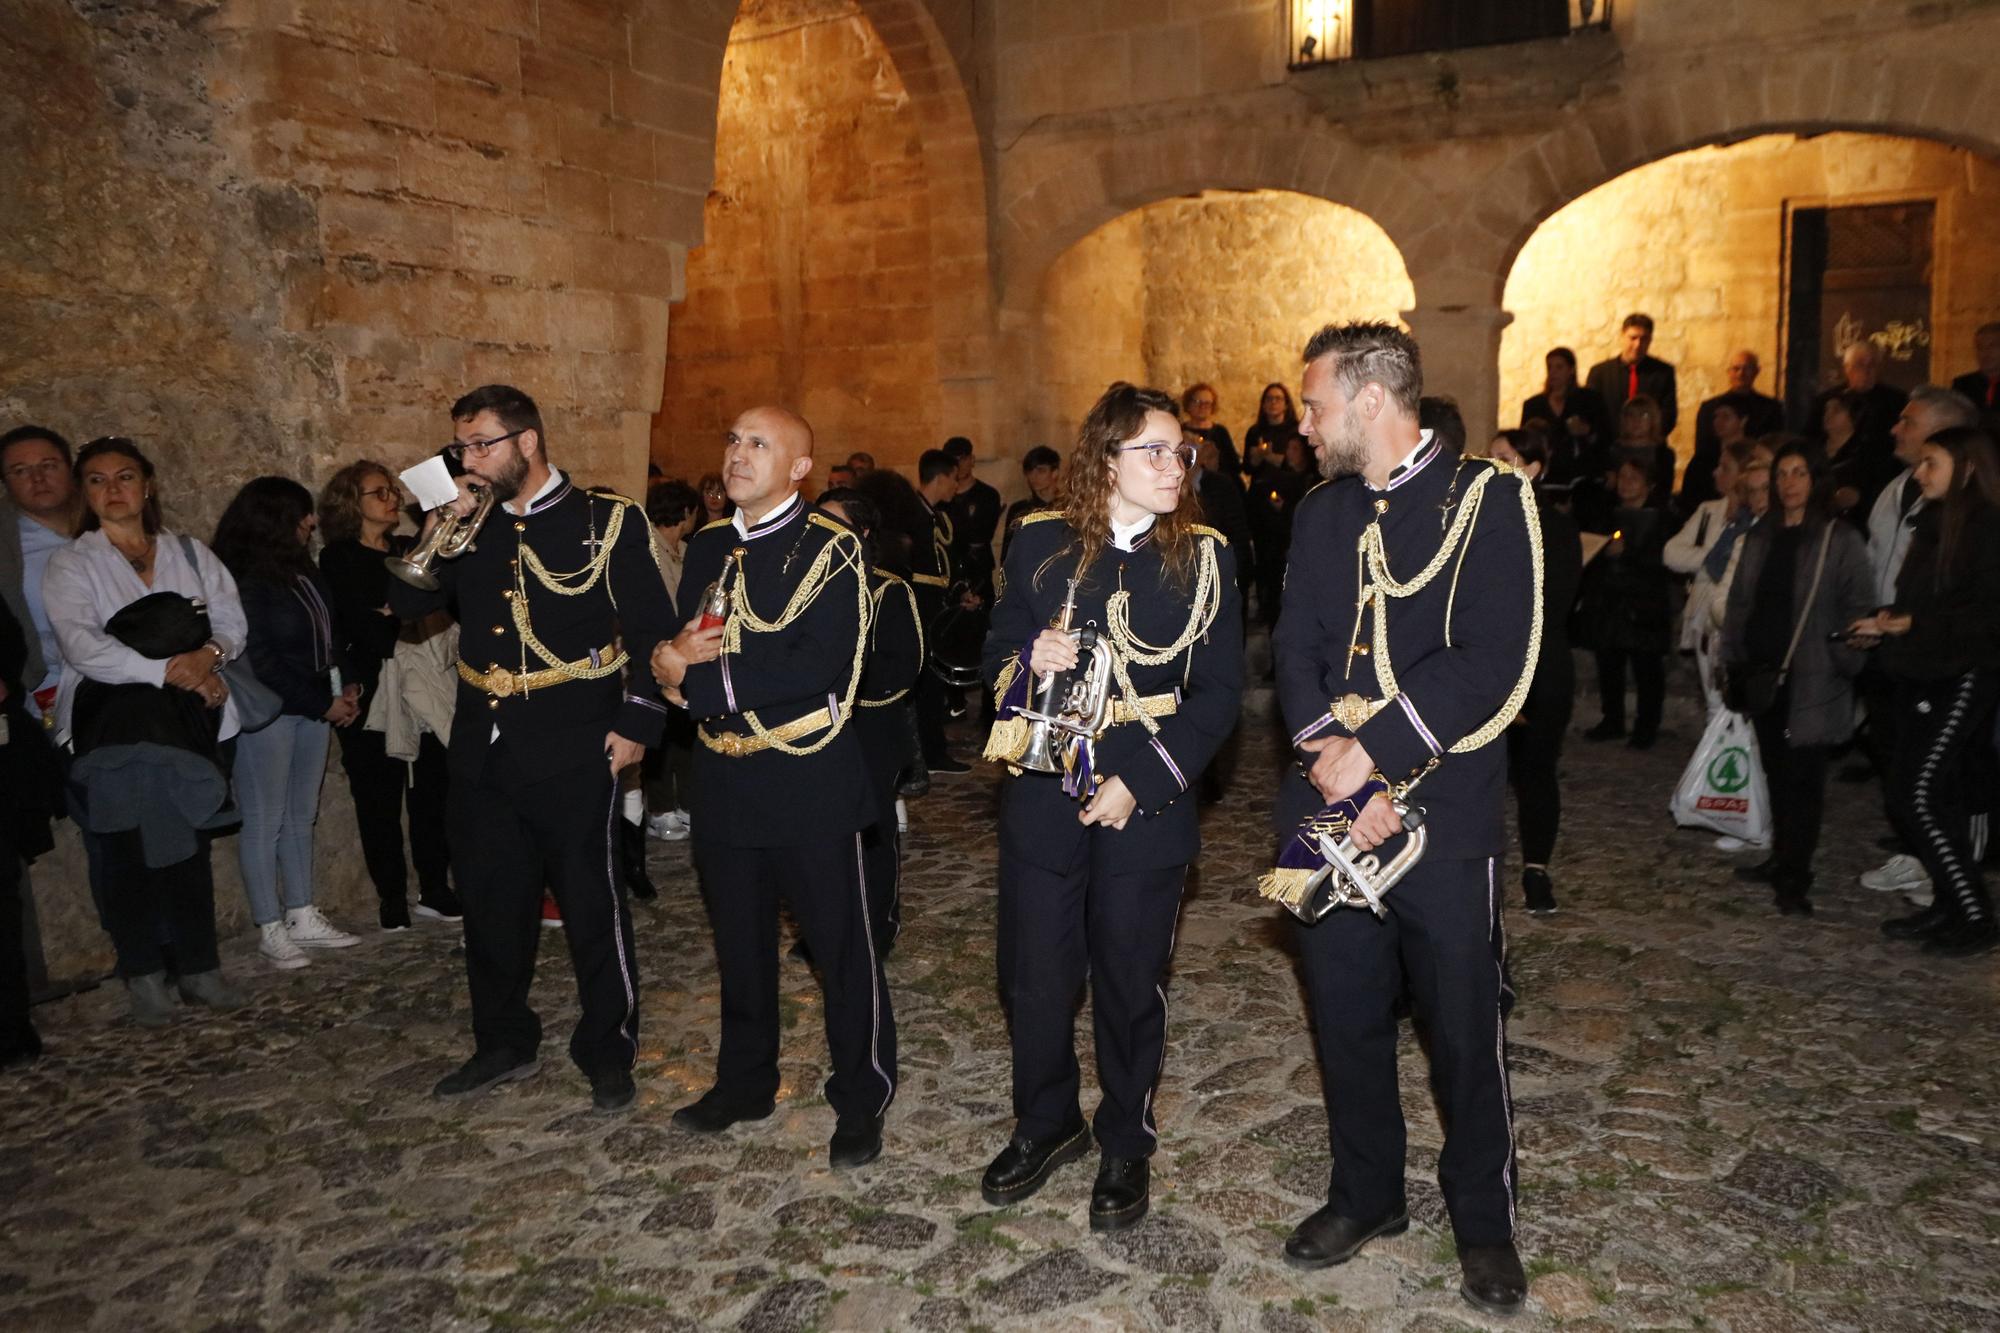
480,448
1160,455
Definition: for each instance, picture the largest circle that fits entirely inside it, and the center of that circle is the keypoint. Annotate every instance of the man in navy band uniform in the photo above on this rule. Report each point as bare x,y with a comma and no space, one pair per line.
780,794
561,586
1459,646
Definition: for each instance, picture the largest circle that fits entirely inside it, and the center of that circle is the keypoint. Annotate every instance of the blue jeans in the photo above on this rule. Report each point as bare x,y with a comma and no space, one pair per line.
278,772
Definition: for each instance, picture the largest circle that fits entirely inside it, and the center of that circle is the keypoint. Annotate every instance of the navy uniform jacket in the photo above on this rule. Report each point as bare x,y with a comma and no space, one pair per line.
975,516
560,727
895,658
773,799
1038,823
1447,692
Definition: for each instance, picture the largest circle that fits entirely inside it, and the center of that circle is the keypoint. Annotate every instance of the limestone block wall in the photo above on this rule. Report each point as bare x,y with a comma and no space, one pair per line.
814,284
1697,240
1224,288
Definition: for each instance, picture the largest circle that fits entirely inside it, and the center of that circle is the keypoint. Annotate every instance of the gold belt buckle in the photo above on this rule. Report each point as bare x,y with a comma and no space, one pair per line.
500,682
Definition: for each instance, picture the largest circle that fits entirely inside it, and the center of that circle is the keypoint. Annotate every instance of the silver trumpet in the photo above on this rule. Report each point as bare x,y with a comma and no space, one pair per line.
450,539
1351,878
1069,706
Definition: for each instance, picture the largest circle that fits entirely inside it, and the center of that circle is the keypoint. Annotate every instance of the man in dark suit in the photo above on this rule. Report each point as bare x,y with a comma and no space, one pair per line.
1982,386
1762,415
975,519
1634,372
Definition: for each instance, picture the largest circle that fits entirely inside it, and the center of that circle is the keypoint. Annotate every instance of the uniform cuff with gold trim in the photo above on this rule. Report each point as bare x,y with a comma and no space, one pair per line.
1398,741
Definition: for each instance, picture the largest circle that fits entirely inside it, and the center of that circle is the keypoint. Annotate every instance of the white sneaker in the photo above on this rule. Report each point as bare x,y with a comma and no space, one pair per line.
902,816
1729,842
1899,874
275,943
667,826
310,930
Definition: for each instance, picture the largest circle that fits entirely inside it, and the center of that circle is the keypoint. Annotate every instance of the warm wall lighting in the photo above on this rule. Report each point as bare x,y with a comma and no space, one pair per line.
1321,31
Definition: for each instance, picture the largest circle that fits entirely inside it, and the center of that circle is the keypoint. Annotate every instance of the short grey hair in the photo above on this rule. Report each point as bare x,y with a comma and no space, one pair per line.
1945,407
1372,353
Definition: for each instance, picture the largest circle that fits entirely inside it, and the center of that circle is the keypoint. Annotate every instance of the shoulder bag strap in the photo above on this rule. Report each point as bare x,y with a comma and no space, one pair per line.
1812,594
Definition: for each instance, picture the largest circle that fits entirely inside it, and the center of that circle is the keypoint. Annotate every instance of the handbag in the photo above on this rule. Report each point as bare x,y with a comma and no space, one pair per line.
257,704
1752,687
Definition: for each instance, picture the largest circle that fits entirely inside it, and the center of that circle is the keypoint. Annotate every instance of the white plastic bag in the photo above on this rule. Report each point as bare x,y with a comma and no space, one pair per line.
1723,786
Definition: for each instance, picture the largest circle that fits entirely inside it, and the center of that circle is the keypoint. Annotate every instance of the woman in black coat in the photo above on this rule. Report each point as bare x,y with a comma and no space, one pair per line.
1572,417
1534,742
1940,643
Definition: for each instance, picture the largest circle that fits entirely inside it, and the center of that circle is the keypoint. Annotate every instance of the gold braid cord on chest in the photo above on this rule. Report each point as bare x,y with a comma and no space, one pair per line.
1376,588
572,583
841,554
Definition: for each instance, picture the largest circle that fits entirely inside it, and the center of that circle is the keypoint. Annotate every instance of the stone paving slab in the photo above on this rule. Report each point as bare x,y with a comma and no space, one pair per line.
1727,1120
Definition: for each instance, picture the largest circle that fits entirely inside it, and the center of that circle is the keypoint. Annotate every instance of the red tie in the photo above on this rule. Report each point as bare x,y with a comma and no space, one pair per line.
1632,382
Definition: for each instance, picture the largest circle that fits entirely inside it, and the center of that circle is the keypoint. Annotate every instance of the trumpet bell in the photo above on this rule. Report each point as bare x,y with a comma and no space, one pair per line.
449,538
413,574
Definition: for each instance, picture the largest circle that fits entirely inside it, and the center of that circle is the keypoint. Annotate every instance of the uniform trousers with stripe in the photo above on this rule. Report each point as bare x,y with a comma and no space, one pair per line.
513,832
1442,943
1115,928
1940,726
821,880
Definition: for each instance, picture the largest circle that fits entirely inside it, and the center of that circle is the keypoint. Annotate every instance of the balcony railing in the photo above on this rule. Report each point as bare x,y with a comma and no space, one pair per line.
1324,32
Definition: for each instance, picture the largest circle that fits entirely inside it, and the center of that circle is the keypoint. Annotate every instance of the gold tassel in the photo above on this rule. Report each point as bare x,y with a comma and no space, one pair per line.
1285,886
1007,741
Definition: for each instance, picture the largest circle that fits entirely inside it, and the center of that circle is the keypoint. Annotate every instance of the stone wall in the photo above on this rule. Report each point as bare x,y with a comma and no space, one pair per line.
813,286
1697,240
1224,288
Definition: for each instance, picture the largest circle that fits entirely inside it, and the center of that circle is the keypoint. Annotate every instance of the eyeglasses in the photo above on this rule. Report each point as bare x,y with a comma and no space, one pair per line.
481,448
1161,456
382,493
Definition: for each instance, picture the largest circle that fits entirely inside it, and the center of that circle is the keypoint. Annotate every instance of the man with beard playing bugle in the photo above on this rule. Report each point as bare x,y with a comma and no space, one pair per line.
1406,645
1093,859
770,668
559,588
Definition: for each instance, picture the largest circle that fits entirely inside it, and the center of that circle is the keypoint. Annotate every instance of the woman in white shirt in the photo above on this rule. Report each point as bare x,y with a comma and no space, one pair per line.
1711,531
126,553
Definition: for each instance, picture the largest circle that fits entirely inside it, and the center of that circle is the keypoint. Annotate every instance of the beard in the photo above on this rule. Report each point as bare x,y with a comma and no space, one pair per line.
506,484
1344,450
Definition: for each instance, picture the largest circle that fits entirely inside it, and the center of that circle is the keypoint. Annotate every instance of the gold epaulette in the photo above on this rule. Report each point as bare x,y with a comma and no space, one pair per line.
1041,516
719,523
890,575
1203,530
832,525
607,494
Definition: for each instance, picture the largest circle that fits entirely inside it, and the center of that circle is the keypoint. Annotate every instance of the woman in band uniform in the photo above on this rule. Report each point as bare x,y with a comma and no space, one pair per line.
1092,861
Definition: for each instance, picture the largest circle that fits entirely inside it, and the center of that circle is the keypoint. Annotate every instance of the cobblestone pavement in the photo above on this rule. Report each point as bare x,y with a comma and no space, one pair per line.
1727,1120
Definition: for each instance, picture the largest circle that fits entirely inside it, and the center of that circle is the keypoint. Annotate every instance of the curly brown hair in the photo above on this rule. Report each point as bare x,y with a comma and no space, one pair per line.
1085,489
340,500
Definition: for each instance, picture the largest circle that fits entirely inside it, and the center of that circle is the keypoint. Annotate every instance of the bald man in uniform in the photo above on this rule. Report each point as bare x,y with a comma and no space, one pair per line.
780,793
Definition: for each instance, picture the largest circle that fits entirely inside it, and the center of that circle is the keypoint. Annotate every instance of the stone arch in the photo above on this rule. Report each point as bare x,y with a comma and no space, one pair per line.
688,40
1907,91
1066,190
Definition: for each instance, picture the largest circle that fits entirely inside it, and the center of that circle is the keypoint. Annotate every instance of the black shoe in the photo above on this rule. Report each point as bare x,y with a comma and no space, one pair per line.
1794,904
1921,925
440,905
612,1089
944,763
1607,730
1025,1163
1890,842
1540,892
484,1071
1122,1193
23,1048
1326,1238
632,850
1761,873
1964,939
1494,1282
1643,739
394,917
856,1141
714,1113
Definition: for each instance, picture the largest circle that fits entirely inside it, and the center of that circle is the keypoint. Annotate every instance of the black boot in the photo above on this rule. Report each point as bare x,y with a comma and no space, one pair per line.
1494,1281
1539,890
1963,939
1919,925
1025,1163
1122,1194
632,849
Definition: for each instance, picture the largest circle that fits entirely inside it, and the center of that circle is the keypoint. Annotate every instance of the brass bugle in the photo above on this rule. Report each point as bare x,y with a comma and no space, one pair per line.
450,539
